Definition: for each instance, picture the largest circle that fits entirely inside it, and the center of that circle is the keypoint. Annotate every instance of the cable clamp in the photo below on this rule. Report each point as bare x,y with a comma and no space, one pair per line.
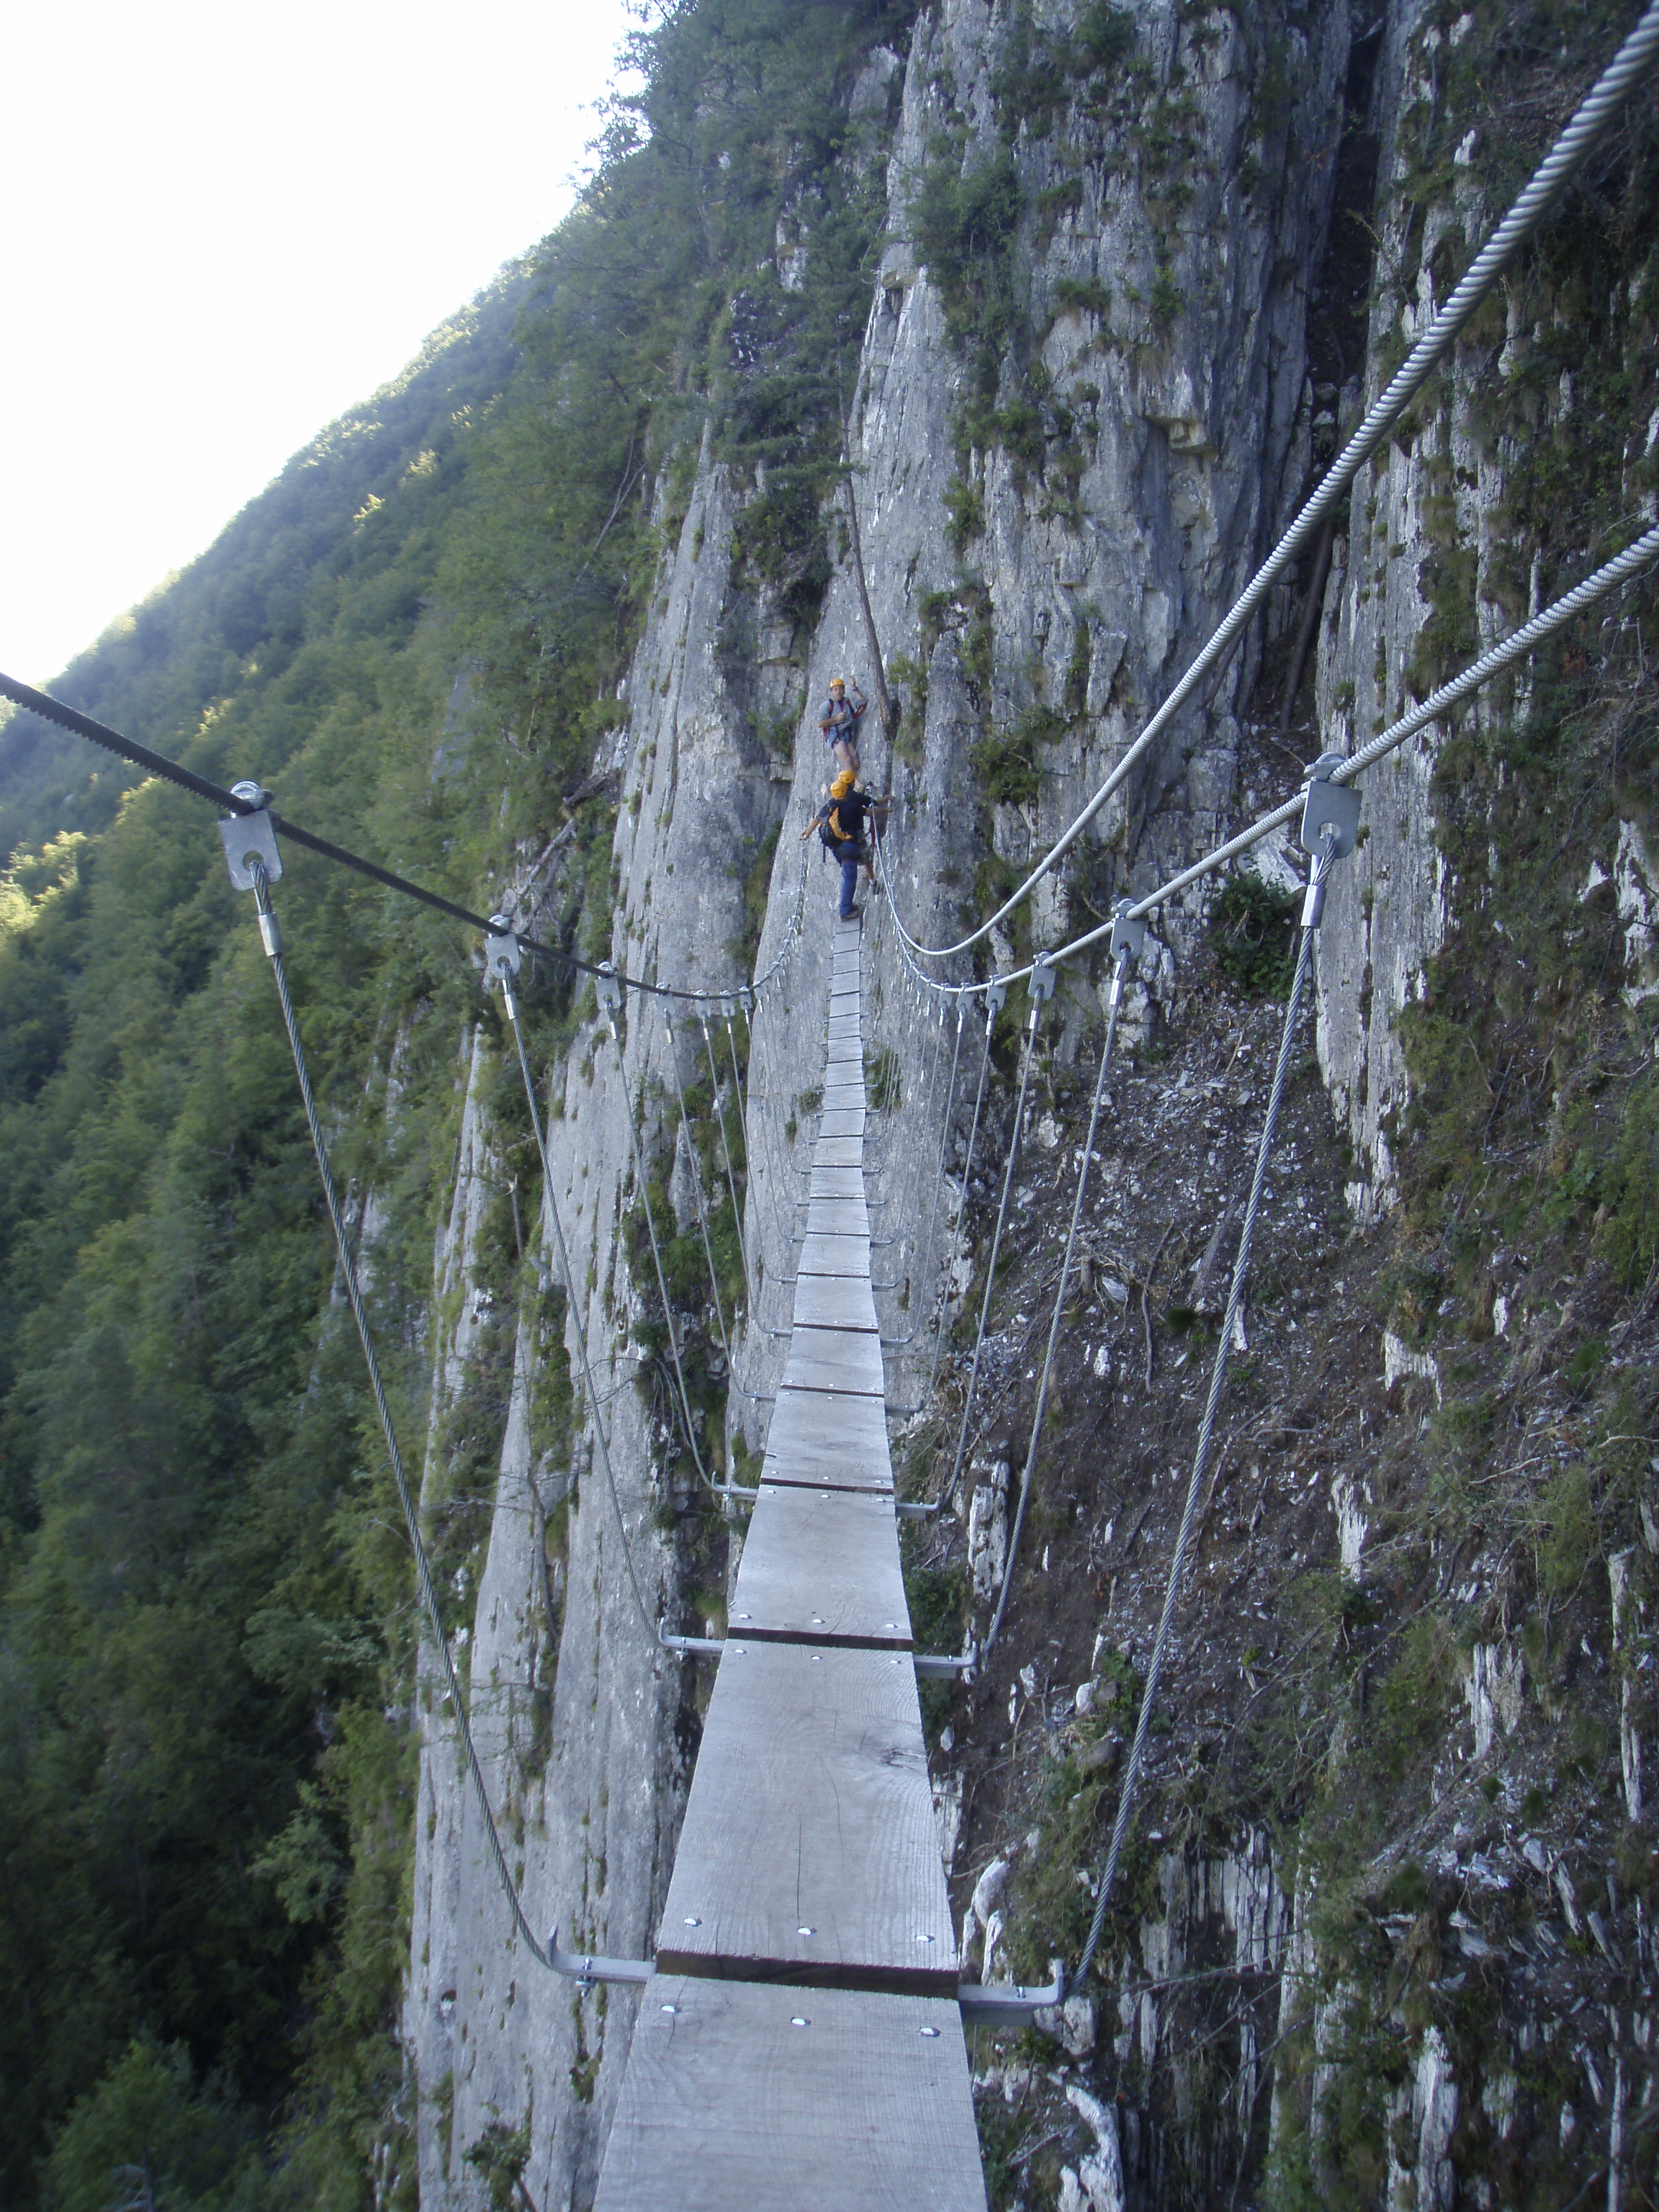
996,996
608,984
1041,982
586,1968
250,837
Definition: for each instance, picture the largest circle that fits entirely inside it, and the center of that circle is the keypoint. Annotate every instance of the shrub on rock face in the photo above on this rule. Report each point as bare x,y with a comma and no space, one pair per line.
1252,932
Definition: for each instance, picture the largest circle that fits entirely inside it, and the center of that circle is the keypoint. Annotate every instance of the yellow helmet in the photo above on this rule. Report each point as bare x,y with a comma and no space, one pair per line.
837,682
842,784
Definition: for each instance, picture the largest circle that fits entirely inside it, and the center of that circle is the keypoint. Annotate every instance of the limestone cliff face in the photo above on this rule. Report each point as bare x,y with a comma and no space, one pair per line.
1174,345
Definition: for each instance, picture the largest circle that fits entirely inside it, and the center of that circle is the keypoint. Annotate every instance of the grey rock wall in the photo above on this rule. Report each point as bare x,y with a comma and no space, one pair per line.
1196,442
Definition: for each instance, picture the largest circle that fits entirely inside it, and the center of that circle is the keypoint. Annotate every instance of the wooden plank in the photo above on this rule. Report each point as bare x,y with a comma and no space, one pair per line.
845,1094
835,1359
727,2107
833,1255
821,1567
835,1182
836,1217
833,1302
844,997
841,1121
836,1446
838,1153
810,1852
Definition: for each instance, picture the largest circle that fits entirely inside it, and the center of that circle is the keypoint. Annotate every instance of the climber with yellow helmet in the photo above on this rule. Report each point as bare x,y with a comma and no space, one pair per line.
842,827
838,719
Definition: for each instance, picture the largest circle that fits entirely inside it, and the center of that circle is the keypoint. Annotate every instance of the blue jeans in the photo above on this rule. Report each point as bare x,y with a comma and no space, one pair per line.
850,853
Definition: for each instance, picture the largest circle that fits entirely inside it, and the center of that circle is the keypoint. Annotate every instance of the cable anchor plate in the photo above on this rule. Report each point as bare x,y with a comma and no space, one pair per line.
247,838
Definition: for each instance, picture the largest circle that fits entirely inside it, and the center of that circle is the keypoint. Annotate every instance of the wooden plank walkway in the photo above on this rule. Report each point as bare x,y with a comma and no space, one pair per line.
800,2045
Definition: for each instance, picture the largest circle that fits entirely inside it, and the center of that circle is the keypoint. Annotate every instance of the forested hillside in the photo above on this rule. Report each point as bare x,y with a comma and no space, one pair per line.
414,636
1067,308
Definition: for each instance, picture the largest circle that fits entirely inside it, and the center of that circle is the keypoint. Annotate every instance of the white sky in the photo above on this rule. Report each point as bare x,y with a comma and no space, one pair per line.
222,225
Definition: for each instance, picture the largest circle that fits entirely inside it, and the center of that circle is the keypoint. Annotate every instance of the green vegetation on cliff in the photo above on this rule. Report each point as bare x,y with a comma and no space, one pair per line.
416,635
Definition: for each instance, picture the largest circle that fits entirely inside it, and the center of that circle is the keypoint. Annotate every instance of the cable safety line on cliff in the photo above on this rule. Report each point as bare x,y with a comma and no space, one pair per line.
254,867
502,958
1127,940
1330,825
239,800
1622,569
1571,149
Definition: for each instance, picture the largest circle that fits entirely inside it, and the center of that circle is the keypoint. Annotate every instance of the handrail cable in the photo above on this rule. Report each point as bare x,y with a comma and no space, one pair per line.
1038,1000
249,799
272,936
1329,848
1493,662
1571,149
1127,944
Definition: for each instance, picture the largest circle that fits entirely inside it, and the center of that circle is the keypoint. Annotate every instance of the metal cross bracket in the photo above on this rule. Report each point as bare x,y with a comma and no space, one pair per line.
585,1967
251,837
504,956
1128,933
609,986
1329,809
989,2005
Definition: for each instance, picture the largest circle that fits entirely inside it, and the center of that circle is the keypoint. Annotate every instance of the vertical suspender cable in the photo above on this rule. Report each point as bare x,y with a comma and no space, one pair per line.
643,1188
1329,847
694,1170
725,1146
944,1144
1132,936
271,936
992,1007
1038,998
509,1000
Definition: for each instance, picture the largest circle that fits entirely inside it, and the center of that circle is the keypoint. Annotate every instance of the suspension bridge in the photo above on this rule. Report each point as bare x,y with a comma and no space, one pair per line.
800,2038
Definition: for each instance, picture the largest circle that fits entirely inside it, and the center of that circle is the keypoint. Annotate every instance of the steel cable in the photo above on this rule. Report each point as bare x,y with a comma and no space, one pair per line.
1588,126
238,803
943,1143
726,1147
950,1490
510,1000
643,1193
1126,961
273,943
693,1169
962,1204
1320,869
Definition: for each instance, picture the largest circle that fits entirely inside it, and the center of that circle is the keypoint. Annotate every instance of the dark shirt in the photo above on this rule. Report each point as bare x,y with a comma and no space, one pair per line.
848,816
